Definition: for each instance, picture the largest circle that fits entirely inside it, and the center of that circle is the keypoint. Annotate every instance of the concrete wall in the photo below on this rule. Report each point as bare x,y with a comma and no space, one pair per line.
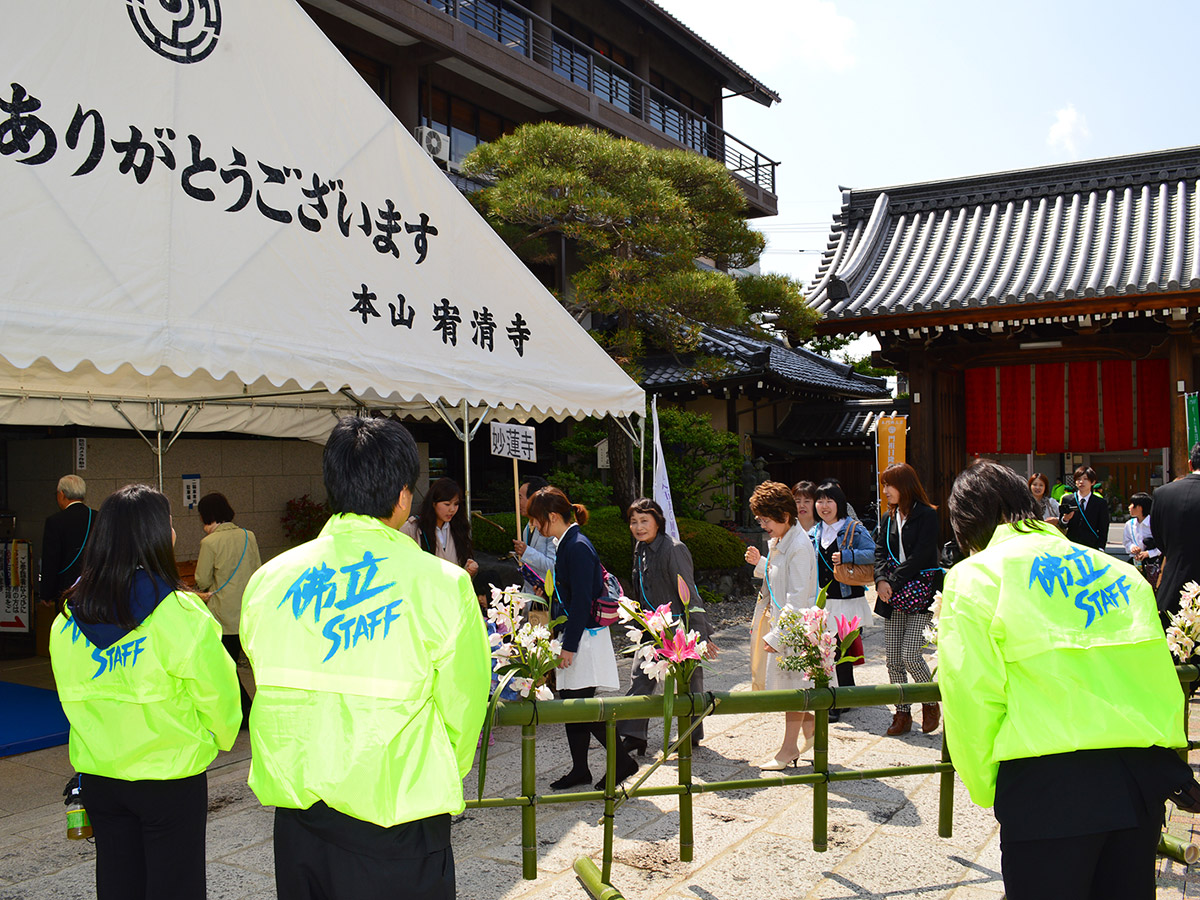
258,477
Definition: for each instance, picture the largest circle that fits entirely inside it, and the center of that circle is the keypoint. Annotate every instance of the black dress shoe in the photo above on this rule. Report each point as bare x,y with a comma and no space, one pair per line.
835,715
571,779
626,766
634,746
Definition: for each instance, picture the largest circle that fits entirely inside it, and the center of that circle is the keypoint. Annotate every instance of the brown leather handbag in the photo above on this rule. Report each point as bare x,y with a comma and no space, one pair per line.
854,573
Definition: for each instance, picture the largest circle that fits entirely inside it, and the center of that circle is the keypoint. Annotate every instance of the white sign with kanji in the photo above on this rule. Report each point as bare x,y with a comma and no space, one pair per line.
514,442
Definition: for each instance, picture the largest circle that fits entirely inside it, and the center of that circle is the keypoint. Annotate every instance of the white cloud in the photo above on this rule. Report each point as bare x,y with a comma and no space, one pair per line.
1069,131
824,35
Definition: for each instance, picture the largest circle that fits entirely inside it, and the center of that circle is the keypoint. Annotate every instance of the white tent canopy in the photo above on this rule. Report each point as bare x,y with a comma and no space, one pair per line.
210,220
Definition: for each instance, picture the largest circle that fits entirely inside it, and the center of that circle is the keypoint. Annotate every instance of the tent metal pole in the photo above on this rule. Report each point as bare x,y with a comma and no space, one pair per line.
466,438
642,467
158,428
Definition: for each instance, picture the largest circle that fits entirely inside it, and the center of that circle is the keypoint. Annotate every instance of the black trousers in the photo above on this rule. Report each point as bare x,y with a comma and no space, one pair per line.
322,854
642,685
149,837
233,645
1109,865
580,734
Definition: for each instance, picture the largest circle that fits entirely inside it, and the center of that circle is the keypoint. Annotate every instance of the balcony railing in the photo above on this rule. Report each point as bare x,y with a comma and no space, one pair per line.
533,37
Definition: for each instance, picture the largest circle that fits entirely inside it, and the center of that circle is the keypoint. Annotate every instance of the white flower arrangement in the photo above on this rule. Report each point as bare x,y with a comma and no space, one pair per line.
811,648
931,630
1183,632
526,652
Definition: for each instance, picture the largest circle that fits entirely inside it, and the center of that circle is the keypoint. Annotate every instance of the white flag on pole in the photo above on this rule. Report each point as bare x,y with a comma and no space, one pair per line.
662,487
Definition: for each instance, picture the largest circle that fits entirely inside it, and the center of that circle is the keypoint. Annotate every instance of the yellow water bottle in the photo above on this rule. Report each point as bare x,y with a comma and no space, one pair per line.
79,827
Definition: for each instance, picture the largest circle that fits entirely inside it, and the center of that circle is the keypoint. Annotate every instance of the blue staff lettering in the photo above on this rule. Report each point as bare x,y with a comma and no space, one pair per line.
1078,570
317,589
117,655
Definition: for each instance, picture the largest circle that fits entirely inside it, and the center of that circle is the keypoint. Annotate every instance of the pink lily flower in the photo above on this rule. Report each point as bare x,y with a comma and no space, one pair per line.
685,595
679,646
846,627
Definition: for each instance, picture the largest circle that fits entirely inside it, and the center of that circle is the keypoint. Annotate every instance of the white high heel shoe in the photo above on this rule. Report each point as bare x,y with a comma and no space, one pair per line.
775,764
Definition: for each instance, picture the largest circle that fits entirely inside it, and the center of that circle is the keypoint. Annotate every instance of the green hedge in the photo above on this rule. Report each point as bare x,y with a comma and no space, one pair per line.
712,546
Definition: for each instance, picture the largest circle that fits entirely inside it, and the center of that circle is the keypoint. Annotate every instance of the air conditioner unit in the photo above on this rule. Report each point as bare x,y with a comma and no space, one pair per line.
433,142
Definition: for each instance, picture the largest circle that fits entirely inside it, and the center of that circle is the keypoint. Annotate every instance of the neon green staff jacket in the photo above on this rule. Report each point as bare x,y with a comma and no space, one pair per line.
158,703
373,667
1046,646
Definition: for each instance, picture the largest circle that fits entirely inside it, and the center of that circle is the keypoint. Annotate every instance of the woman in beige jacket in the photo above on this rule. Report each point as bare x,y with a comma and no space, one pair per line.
228,557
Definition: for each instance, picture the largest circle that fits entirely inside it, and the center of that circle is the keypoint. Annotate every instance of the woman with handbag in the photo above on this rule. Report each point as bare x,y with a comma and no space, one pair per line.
228,557
789,579
588,661
845,562
659,562
907,576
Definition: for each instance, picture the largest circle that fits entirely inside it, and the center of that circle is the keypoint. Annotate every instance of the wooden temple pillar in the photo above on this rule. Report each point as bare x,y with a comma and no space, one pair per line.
1180,372
936,428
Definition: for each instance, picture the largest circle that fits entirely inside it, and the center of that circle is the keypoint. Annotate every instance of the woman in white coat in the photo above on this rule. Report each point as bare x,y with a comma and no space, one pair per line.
789,576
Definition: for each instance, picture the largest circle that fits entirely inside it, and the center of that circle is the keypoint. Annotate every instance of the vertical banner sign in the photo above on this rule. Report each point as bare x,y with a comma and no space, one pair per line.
1191,403
191,491
514,442
889,450
80,454
662,486
14,587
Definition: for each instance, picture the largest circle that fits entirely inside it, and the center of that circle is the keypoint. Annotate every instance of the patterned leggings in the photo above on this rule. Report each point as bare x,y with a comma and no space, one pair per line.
903,638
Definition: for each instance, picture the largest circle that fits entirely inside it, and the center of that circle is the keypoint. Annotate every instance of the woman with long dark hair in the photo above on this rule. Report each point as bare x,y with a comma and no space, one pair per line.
151,695
838,539
907,576
441,526
1060,702
588,661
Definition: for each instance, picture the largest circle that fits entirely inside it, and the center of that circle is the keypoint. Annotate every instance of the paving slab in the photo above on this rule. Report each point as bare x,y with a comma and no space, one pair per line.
749,843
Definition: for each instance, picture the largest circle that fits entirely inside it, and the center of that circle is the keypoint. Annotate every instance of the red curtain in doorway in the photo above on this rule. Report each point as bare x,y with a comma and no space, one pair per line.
1016,431
1051,407
1083,412
980,385
1116,378
1154,403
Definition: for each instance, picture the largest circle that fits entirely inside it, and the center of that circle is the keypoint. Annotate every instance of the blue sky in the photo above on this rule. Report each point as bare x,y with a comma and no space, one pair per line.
877,93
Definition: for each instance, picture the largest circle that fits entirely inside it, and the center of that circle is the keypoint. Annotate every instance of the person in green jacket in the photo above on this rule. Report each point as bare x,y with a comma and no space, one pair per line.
151,696
372,668
1060,697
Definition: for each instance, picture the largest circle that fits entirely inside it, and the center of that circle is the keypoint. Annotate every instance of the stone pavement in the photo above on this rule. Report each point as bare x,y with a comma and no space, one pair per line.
754,843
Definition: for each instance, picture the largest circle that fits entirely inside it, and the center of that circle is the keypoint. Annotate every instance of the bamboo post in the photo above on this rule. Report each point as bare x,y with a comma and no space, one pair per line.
821,788
686,840
946,795
1177,849
589,876
517,497
529,812
610,793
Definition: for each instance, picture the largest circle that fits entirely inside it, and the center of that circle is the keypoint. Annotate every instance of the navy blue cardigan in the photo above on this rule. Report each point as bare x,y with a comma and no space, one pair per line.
577,582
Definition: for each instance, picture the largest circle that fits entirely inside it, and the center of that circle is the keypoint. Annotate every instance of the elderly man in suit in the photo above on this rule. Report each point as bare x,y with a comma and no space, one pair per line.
63,539
1174,526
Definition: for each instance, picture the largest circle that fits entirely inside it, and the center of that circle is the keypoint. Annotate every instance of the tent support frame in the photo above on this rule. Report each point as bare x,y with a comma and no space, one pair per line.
465,433
156,446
